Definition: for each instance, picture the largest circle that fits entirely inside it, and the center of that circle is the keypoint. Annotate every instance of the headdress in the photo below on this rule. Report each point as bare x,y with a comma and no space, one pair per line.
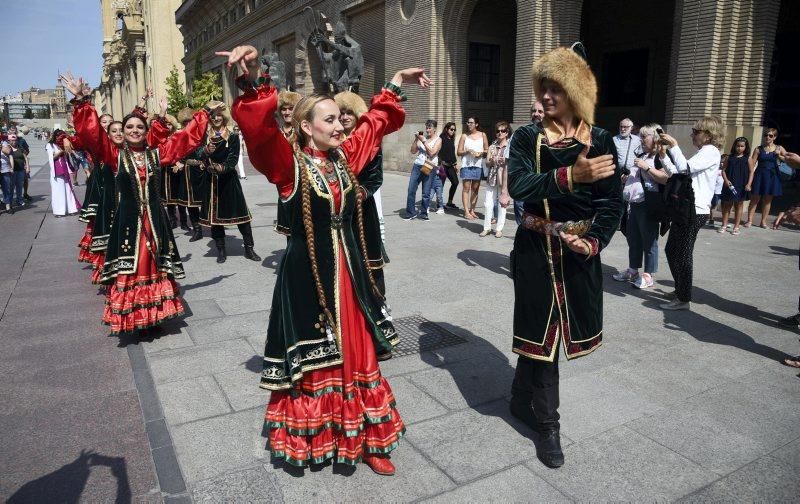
288,98
185,115
222,110
569,69
350,101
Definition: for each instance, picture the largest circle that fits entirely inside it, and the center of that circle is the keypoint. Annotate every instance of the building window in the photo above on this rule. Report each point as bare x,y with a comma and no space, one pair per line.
484,72
623,81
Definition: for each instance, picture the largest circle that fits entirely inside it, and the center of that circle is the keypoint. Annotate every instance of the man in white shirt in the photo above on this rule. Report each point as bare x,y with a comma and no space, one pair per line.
627,144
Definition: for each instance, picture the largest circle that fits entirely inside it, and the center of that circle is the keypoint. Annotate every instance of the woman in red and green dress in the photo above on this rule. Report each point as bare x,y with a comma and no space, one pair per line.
329,323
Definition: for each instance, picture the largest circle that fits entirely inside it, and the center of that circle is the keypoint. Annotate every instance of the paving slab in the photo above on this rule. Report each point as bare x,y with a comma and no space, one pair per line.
241,389
517,484
230,327
252,485
189,362
192,399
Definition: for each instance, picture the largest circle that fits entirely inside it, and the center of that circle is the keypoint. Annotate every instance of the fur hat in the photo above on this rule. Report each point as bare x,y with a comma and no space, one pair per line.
347,100
223,110
566,67
185,115
288,98
174,122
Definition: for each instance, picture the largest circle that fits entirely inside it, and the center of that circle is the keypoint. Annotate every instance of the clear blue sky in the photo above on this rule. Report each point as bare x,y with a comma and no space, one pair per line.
46,36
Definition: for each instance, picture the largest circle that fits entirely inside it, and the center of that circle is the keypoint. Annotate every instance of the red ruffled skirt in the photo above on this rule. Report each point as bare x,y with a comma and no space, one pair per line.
144,299
85,253
338,413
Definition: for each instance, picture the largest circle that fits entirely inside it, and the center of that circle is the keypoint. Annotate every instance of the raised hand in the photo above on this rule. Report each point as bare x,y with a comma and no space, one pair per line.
413,75
668,140
73,85
244,57
163,103
586,171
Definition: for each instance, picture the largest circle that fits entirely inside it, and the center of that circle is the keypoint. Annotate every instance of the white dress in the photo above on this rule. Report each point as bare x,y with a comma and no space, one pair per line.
62,197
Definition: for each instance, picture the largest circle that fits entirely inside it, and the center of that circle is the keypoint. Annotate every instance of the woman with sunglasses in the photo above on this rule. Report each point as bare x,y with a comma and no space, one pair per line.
765,180
472,147
447,158
496,182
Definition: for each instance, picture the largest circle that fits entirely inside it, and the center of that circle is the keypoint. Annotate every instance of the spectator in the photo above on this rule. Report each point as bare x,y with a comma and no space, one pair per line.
718,183
447,158
426,146
6,175
496,181
628,145
642,225
472,147
708,135
240,163
735,172
765,179
537,114
21,168
23,144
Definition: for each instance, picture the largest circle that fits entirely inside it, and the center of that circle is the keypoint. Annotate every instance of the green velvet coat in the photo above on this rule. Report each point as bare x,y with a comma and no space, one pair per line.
297,339
223,201
106,205
559,293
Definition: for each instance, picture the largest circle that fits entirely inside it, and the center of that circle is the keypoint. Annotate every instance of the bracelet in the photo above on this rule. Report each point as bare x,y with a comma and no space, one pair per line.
394,88
569,178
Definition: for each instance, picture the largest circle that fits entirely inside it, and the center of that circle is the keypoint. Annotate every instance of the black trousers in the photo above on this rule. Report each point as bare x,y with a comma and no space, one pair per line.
680,251
181,212
194,216
536,383
218,233
452,176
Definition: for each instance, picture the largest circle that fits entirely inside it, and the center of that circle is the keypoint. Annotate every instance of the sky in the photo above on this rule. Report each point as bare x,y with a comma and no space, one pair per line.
48,36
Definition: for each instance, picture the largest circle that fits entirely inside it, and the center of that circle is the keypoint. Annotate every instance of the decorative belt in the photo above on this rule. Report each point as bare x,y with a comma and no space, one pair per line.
549,227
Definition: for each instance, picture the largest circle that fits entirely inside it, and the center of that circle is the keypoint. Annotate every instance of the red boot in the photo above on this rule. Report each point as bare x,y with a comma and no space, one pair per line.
380,464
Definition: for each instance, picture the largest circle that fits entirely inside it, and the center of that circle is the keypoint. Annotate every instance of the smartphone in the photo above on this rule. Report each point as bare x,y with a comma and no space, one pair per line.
419,133
659,131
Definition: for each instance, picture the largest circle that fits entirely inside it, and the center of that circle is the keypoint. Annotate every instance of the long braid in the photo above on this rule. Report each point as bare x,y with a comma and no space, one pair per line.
308,225
362,236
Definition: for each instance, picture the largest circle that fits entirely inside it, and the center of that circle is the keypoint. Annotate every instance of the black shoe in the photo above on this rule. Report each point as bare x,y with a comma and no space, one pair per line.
27,198
451,205
423,217
198,234
548,449
251,254
523,411
793,321
185,226
173,223
221,255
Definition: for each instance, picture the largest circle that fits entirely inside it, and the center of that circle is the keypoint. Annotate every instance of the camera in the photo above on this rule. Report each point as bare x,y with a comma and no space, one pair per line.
659,131
420,133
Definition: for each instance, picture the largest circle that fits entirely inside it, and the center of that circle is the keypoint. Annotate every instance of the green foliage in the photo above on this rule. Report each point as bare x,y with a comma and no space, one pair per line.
198,63
176,95
206,87
28,114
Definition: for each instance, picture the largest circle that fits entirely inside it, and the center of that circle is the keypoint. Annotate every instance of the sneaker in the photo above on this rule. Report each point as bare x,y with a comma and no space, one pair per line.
625,276
675,305
451,205
424,217
410,216
644,281
485,232
440,211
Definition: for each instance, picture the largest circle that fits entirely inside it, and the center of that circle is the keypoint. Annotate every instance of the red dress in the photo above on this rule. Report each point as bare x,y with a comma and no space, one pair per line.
345,411
148,296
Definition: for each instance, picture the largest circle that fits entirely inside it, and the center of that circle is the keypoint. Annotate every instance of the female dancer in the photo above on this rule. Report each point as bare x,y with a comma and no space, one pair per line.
91,200
142,260
328,323
224,203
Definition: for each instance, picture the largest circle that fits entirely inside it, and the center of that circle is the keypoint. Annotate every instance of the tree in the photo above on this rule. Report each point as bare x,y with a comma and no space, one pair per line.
198,63
205,88
43,113
28,114
176,95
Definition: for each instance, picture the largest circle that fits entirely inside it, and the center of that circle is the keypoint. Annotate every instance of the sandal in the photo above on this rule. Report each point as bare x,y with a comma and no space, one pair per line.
720,230
735,232
792,361
747,224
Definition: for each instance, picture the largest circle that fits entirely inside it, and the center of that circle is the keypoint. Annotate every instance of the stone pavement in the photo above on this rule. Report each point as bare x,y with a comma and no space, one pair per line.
674,406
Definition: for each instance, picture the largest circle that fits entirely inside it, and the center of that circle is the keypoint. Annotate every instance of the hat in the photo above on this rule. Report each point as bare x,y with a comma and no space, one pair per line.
347,100
288,98
221,109
185,115
566,67
174,122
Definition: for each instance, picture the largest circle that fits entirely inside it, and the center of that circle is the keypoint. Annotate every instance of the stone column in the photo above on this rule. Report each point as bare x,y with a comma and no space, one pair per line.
720,63
116,103
140,75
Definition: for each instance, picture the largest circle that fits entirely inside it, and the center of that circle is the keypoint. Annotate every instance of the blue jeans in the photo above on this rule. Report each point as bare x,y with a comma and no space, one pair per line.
518,211
414,181
436,188
6,181
642,234
18,180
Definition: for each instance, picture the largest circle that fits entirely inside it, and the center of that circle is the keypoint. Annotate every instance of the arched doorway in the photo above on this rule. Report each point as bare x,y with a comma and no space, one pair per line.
491,52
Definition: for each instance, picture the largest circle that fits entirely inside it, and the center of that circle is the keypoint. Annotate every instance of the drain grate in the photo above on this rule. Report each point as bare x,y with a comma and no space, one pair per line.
418,334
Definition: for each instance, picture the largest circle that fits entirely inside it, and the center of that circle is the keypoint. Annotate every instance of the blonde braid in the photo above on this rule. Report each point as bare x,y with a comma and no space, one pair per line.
362,236
308,225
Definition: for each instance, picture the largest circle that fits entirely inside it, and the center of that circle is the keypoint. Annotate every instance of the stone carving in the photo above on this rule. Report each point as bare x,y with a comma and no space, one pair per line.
276,69
342,59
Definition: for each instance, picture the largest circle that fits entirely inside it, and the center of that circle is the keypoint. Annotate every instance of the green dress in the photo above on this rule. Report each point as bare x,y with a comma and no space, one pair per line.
558,292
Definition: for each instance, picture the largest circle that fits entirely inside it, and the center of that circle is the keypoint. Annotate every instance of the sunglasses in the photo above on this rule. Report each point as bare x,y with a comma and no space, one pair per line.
697,131
770,135
501,130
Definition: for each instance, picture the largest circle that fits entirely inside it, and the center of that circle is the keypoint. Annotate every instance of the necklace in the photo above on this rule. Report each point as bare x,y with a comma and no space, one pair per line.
325,166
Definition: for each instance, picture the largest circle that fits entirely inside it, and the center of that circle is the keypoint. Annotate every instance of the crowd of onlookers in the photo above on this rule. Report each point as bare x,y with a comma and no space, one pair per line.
14,170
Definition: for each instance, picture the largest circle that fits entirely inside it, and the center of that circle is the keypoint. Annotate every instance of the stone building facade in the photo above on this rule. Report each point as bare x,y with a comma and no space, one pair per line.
668,62
141,44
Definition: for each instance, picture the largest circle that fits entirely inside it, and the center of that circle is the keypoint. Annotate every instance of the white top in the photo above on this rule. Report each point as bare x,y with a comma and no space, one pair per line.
422,154
472,144
633,190
6,164
703,168
720,182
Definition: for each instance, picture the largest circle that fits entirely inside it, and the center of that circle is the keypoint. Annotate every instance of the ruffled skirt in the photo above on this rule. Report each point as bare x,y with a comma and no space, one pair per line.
338,413
85,253
144,299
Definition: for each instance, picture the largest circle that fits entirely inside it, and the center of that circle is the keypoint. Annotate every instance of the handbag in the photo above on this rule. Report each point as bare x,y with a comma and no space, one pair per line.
427,167
653,200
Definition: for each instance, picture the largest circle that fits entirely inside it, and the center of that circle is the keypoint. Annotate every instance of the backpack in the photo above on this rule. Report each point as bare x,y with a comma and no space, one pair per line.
678,201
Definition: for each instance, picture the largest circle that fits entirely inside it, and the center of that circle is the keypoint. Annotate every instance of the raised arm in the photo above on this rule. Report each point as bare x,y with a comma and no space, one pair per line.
384,116
524,184
182,142
91,135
